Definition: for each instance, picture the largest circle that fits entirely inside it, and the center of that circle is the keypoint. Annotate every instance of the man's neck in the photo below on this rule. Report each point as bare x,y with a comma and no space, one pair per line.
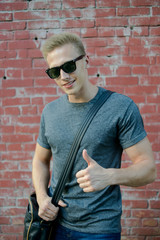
86,96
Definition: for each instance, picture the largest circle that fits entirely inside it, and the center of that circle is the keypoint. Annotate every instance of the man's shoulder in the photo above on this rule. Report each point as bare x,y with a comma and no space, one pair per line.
57,103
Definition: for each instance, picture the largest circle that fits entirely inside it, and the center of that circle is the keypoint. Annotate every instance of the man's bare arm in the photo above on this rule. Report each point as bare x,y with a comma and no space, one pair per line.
141,172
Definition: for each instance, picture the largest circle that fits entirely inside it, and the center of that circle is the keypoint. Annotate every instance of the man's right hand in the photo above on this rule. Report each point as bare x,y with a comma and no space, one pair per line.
47,210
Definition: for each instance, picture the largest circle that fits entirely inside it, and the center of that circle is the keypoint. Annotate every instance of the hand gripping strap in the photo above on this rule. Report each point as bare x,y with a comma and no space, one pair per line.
75,146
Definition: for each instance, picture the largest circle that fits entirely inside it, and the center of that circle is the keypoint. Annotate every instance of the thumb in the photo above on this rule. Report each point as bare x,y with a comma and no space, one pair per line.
87,158
62,204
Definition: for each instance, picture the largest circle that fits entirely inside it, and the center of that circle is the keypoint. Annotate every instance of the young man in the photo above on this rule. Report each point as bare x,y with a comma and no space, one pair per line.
90,207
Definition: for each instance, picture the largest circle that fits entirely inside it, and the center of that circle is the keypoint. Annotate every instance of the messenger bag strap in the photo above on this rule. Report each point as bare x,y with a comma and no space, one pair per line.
75,146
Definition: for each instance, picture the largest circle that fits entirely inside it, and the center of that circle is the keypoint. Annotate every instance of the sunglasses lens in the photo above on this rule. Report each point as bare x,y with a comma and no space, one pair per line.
69,67
54,73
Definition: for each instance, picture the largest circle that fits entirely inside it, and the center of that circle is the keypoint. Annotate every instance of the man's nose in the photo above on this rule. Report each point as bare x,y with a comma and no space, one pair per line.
64,75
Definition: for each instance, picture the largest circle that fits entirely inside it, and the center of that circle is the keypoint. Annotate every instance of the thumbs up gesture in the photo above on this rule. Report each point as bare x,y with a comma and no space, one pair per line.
94,177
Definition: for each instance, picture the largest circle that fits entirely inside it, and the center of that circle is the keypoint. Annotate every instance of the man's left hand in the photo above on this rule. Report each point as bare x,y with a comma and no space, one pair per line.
94,177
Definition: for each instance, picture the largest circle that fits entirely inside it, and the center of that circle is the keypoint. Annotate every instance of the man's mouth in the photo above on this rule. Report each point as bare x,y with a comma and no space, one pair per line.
69,84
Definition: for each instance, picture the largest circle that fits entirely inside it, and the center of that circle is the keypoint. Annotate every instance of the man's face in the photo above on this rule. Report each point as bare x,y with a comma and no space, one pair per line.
73,83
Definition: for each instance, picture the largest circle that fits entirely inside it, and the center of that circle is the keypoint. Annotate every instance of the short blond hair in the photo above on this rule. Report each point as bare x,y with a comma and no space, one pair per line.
59,40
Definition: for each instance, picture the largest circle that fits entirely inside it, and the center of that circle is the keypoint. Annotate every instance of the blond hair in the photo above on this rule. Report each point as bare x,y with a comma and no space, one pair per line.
59,40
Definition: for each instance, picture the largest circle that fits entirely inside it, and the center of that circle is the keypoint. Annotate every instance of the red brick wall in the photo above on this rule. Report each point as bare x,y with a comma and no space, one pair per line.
122,38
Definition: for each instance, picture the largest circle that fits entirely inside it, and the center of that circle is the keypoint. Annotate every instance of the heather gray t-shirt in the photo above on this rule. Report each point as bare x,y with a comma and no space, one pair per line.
117,125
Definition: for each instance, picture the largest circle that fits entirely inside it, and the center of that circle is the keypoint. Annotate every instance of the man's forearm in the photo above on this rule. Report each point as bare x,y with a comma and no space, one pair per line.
40,177
135,175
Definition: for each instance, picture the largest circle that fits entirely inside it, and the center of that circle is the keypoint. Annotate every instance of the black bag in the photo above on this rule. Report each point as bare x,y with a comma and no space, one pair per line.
35,228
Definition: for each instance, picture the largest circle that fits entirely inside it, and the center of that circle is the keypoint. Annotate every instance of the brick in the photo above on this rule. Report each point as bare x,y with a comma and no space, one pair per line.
110,51
113,3
77,23
122,80
144,2
149,231
153,99
155,204
154,70
17,138
29,110
43,24
16,63
149,80
89,32
138,60
19,35
134,204
37,100
14,147
11,229
29,15
12,111
149,223
4,220
139,50
105,12
17,83
34,53
6,17
115,22
29,119
15,101
27,129
18,220
14,73
7,184
78,4
16,175
22,202
40,63
145,213
155,10
8,165
23,184
123,31
34,73
10,26
2,147
123,70
133,222
21,44
13,6
144,21
133,11
6,54
148,109
45,5
41,91
106,32
140,31
7,93
29,147
6,35
70,13
139,70
155,31
7,129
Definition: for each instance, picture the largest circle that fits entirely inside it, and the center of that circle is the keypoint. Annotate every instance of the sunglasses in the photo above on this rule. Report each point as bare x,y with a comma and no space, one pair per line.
67,67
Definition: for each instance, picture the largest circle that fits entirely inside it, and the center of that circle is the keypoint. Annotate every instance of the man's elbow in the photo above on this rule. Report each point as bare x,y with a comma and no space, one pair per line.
152,175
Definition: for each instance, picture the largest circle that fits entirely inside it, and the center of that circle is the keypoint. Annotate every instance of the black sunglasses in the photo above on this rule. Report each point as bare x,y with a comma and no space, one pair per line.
67,67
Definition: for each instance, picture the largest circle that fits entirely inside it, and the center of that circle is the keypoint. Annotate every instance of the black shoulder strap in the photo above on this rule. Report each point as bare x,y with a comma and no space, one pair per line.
75,146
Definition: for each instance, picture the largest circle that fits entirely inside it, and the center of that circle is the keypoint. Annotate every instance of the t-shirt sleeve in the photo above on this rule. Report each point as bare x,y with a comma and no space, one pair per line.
131,127
42,139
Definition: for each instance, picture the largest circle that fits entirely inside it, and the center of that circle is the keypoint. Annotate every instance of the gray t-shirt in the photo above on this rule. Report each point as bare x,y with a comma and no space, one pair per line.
117,125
